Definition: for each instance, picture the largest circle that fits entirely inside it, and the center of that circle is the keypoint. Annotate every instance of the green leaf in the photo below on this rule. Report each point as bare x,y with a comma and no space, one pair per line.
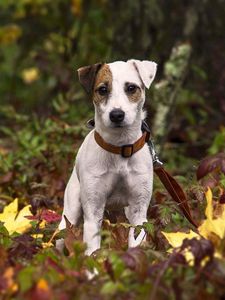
149,227
25,278
111,288
5,239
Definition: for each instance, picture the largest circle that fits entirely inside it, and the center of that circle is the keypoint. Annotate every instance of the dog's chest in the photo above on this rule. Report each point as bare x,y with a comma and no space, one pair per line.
119,193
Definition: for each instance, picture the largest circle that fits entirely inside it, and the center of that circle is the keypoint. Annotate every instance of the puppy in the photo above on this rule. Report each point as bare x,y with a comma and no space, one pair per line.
100,178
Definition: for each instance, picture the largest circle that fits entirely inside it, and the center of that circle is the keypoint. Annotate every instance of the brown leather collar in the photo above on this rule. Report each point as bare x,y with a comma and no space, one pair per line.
126,150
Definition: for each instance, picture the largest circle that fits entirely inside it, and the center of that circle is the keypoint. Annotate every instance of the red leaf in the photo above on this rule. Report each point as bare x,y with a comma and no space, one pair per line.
210,164
222,198
109,269
47,215
6,178
136,260
23,246
50,262
73,233
50,216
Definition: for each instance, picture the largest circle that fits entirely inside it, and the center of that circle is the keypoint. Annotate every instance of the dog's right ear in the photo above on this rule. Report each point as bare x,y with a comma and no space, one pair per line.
146,70
87,76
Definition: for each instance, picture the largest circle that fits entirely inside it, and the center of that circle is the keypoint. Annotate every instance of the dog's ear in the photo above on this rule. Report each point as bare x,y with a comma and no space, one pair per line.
87,76
146,70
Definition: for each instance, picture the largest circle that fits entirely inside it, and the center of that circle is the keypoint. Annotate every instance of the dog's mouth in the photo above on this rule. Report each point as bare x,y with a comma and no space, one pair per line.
117,125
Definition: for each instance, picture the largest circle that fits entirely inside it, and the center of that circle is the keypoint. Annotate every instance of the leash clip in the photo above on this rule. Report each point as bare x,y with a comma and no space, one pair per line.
156,161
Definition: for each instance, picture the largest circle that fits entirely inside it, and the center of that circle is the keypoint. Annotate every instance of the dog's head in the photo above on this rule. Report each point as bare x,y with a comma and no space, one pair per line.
118,89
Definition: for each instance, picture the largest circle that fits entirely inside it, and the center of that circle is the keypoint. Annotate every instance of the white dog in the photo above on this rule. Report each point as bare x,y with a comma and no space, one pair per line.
100,178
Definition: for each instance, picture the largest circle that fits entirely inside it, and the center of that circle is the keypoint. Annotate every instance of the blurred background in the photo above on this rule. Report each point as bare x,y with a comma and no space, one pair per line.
43,108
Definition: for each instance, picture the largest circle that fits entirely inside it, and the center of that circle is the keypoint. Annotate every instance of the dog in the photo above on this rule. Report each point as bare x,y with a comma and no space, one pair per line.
102,179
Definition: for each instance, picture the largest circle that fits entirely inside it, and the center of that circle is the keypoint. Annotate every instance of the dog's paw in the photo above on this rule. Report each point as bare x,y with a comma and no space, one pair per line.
59,245
134,242
90,275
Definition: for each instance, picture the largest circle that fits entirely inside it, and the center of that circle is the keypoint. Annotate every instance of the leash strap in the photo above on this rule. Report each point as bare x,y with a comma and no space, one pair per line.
176,192
171,185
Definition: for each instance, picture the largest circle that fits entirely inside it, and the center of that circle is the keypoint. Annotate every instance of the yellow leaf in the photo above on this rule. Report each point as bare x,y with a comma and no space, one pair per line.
76,7
9,283
42,224
15,221
9,34
37,235
176,239
209,207
30,75
216,226
212,225
42,285
47,245
9,211
212,228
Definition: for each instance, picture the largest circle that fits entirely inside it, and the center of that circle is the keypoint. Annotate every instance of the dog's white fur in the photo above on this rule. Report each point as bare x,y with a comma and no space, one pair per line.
101,179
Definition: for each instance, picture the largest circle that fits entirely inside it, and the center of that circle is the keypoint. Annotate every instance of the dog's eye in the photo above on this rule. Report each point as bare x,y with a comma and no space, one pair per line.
131,88
102,90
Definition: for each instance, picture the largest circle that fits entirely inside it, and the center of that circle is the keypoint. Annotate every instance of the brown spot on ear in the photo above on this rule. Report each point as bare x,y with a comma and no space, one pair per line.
103,78
87,76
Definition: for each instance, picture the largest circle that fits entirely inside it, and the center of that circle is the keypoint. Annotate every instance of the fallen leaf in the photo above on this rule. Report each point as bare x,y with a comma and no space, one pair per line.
212,228
222,198
6,178
15,221
30,75
202,249
42,291
8,285
212,225
47,215
210,164
136,260
176,239
47,245
23,246
72,234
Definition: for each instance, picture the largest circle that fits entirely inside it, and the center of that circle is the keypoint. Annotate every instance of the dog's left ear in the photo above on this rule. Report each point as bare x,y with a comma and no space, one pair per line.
146,70
87,76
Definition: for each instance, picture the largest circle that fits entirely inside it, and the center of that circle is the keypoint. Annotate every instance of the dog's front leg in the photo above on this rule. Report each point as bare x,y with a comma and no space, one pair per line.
136,212
93,204
92,237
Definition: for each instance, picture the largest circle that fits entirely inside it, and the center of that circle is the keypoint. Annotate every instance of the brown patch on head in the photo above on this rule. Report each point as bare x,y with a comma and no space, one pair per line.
133,91
103,84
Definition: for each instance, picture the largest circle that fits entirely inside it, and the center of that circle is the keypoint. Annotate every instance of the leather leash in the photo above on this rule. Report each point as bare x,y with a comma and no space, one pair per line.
172,186
176,192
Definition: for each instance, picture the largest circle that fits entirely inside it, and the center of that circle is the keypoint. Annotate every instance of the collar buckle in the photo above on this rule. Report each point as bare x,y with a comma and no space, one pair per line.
127,150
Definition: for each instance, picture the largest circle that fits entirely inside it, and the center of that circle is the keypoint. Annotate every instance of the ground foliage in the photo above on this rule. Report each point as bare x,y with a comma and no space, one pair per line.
42,123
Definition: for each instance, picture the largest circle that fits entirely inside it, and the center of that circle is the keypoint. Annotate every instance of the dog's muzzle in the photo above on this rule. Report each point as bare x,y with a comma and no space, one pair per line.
117,116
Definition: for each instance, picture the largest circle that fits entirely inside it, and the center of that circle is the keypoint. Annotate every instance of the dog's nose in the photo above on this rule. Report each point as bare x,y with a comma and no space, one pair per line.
117,115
